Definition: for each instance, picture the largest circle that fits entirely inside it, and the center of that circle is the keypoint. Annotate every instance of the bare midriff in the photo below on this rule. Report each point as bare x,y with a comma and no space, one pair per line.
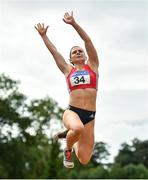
84,98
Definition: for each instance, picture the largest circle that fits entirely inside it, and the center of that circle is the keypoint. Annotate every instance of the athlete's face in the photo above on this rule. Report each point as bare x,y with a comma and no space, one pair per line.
77,55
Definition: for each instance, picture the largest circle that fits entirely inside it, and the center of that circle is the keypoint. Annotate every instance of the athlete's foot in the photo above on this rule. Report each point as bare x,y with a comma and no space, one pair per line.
61,135
67,161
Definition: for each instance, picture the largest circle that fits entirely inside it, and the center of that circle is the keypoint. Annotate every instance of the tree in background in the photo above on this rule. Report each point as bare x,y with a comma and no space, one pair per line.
137,153
131,161
100,154
25,149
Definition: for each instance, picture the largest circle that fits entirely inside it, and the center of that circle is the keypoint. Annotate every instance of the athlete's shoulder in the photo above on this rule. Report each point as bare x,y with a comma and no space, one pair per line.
69,70
91,67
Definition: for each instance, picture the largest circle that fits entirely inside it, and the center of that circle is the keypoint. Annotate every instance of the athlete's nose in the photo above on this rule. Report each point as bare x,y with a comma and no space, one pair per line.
78,52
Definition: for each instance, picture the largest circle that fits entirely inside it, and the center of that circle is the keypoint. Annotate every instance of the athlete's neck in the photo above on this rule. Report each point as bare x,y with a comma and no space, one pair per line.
79,66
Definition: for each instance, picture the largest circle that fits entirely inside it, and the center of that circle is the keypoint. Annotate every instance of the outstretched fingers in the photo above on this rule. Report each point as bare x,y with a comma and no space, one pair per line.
47,27
36,28
67,15
43,25
39,25
41,28
68,18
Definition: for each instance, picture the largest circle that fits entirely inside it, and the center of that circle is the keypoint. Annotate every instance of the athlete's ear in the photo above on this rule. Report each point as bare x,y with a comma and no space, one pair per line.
71,61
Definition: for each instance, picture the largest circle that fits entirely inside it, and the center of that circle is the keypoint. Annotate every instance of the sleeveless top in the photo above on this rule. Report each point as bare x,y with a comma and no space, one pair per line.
81,79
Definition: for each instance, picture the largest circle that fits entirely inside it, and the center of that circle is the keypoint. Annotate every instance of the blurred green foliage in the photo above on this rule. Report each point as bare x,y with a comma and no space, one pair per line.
26,152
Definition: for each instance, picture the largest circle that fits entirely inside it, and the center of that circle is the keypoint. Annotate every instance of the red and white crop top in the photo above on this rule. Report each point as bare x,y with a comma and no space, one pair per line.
81,79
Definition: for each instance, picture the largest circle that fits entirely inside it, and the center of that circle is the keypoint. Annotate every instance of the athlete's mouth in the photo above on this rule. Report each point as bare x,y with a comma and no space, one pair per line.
78,56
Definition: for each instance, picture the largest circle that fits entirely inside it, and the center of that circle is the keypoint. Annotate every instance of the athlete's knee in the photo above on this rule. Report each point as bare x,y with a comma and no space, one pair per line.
84,160
84,155
78,130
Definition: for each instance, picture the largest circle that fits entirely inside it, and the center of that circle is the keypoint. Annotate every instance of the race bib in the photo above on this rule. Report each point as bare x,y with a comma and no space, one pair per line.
80,77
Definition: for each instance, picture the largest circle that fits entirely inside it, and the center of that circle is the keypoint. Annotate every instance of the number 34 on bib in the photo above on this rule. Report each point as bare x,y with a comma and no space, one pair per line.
80,78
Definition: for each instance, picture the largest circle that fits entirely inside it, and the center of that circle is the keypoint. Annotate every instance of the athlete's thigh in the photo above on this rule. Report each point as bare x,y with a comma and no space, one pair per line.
85,144
71,120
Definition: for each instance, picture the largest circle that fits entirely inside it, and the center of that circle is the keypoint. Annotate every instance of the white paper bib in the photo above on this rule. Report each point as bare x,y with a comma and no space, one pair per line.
80,77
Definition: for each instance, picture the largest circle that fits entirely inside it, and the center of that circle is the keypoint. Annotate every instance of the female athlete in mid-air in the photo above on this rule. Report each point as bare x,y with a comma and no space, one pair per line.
82,79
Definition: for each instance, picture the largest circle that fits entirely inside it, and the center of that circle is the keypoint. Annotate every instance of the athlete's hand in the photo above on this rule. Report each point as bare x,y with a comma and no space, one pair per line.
41,29
69,19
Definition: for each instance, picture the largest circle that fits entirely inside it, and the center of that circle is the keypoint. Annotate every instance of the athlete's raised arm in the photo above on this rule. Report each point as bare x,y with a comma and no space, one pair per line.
60,61
91,51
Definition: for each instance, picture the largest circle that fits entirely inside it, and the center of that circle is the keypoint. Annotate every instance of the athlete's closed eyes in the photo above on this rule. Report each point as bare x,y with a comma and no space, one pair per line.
75,51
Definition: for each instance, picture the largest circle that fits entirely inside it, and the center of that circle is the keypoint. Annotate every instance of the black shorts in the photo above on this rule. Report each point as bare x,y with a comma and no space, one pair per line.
85,115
